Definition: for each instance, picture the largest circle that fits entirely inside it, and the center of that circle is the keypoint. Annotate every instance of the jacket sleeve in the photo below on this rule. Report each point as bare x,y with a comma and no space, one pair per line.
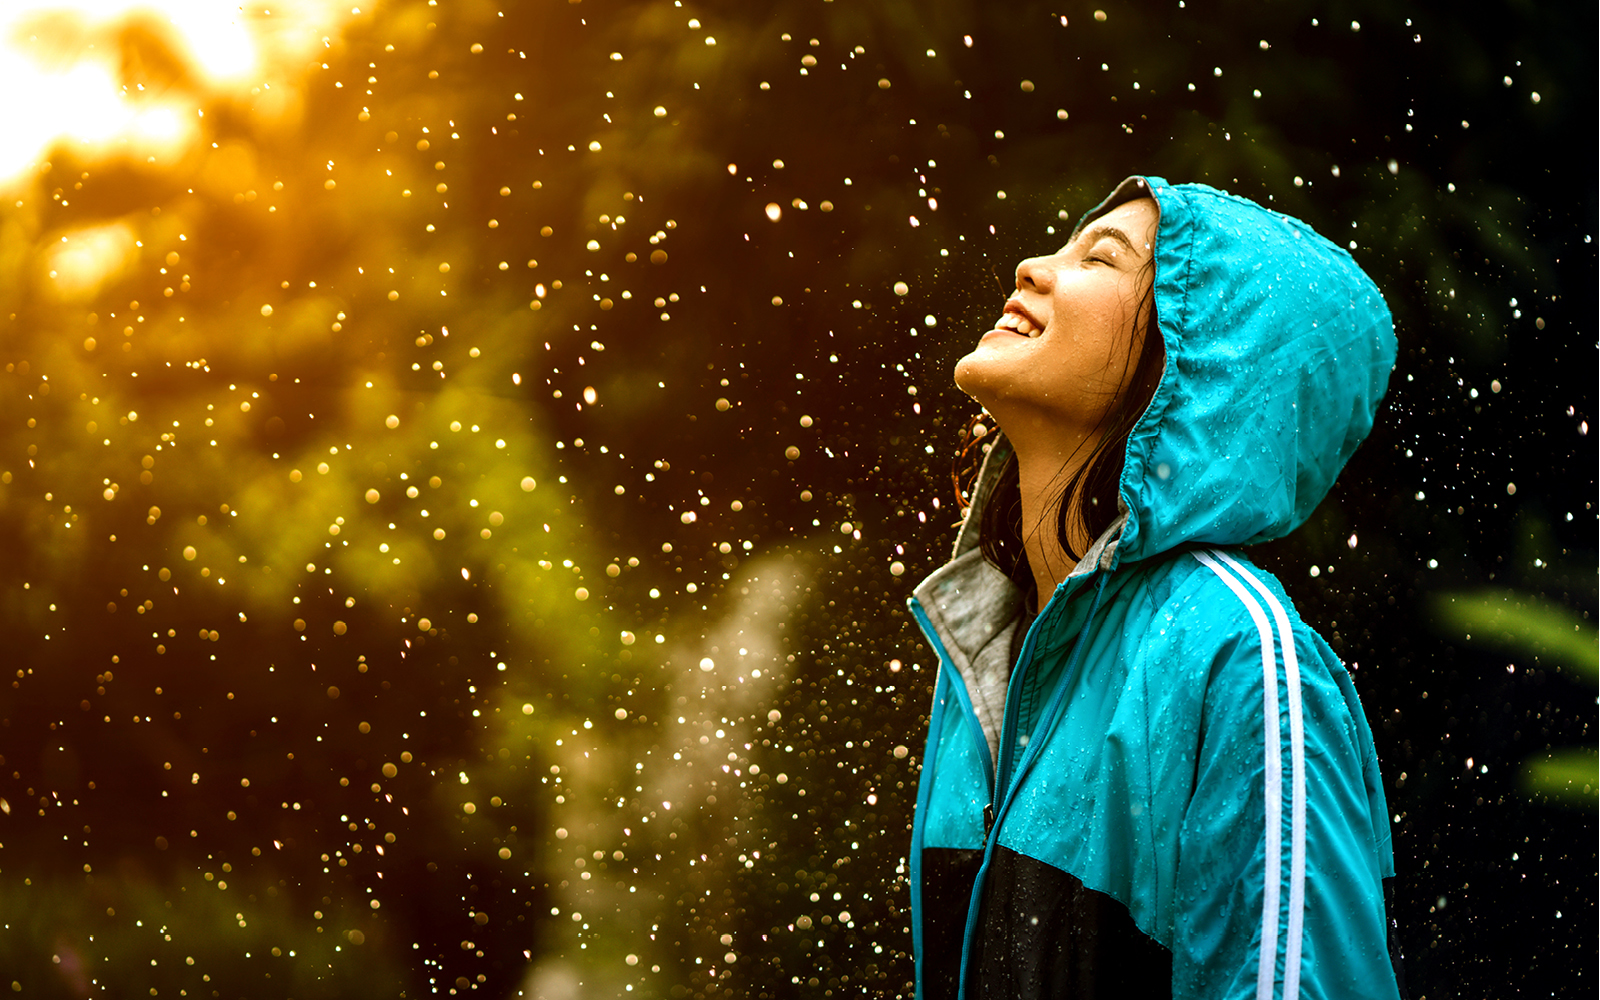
1284,843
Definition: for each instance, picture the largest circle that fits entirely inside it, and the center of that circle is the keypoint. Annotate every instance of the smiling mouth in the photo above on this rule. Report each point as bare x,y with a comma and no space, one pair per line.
1018,323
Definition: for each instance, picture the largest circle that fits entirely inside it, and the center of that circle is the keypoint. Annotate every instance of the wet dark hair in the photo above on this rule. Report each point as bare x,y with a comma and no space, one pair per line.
1088,495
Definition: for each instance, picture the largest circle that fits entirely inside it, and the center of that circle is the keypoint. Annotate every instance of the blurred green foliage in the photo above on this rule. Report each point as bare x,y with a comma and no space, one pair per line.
1567,777
1522,623
1548,635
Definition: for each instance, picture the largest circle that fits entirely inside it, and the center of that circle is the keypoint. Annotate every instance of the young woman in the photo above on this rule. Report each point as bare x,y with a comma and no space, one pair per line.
1145,775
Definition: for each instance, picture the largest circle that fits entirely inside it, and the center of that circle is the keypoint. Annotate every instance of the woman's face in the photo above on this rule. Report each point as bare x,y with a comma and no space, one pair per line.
1065,343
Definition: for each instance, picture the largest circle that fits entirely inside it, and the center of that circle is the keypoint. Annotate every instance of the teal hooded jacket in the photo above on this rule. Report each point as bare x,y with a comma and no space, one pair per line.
1172,736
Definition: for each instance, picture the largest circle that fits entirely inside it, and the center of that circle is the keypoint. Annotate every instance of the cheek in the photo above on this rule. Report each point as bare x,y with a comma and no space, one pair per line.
1096,333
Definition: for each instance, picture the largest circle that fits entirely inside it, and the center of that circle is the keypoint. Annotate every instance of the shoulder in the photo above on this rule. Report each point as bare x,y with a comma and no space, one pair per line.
1251,650
1217,598
1214,607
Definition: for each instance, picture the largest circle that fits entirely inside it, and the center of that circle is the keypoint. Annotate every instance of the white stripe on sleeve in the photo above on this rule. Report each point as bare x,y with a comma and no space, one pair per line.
1297,780
1266,971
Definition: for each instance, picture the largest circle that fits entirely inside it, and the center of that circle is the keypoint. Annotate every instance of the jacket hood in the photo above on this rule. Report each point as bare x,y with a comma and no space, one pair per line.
1278,351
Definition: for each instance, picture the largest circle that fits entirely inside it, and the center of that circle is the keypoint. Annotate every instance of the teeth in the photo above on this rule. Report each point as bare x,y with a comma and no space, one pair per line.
1019,323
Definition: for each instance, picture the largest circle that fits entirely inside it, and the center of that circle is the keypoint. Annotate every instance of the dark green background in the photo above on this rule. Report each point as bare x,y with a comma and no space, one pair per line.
1414,138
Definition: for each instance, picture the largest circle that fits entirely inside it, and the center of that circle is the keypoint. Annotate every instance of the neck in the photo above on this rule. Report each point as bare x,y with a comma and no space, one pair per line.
1042,474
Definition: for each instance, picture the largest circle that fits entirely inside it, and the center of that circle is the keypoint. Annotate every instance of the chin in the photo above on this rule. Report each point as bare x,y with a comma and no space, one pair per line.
975,375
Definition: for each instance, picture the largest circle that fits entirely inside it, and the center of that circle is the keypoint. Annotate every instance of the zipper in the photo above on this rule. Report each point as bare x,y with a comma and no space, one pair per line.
1003,792
996,782
999,778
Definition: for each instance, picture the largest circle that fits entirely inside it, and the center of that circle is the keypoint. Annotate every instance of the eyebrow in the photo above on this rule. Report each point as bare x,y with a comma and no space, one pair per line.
1099,233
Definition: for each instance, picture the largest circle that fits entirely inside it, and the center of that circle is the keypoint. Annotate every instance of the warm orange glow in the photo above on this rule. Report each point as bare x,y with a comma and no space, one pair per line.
67,56
84,260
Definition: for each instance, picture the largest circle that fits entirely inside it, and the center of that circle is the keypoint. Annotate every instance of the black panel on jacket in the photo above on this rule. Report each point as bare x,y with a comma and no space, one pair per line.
1043,935
947,877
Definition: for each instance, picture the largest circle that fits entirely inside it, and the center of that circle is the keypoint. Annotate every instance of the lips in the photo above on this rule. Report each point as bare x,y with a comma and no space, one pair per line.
1018,320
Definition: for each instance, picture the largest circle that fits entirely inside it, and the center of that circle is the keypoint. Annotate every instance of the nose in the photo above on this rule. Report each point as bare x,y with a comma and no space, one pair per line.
1036,274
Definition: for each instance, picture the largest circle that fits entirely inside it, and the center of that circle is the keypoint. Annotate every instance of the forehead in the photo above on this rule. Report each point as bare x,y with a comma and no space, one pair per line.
1136,218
